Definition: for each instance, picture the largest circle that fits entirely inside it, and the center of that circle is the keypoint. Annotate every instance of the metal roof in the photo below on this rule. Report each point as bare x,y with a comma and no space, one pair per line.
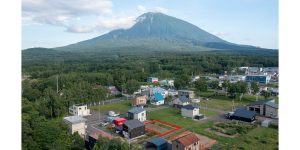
158,141
74,119
261,102
158,97
190,107
136,110
244,113
188,139
183,99
131,124
272,104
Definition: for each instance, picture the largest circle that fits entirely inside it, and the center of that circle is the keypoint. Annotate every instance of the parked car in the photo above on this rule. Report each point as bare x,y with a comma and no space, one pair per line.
102,124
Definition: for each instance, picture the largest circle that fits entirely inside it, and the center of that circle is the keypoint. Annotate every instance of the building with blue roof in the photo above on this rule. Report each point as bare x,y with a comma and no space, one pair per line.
137,113
180,101
157,99
242,115
157,144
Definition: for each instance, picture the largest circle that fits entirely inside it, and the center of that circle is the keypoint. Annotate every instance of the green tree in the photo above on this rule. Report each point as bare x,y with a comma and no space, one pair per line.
241,88
266,94
131,86
201,85
255,87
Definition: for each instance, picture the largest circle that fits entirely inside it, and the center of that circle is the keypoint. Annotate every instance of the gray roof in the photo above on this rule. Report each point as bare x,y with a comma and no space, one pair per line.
271,104
183,99
261,102
190,107
244,113
74,119
136,110
131,124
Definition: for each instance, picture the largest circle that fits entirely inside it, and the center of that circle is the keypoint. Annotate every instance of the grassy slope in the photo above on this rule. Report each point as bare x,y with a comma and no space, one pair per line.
120,107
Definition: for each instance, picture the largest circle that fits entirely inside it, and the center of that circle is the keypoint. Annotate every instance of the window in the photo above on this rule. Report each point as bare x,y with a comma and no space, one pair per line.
143,114
190,148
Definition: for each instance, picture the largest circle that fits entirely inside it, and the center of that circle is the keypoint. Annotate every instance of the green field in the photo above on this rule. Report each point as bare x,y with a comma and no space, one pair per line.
119,107
172,116
258,138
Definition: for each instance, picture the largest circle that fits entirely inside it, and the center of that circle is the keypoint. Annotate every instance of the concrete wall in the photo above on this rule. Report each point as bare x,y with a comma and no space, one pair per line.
179,146
79,127
140,117
189,113
79,110
271,112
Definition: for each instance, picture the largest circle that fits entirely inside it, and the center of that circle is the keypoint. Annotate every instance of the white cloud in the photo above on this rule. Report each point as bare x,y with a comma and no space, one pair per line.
160,9
75,15
141,8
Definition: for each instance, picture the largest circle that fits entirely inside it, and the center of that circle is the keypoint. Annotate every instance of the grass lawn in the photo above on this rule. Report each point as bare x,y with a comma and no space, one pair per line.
207,112
172,116
258,138
119,107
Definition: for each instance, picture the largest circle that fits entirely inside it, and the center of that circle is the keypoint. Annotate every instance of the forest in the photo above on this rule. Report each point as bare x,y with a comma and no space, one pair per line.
82,78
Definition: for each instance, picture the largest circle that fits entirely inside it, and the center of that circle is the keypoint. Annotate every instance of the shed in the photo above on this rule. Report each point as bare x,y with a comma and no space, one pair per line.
243,115
199,116
157,144
133,128
266,123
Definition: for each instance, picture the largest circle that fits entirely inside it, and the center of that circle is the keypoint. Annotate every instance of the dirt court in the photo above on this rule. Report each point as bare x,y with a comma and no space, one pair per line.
153,126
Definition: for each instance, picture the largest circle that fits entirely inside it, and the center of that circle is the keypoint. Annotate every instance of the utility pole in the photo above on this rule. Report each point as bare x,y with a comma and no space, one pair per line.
57,84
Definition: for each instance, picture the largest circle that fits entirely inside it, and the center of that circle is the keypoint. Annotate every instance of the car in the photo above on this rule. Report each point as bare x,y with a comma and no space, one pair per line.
102,124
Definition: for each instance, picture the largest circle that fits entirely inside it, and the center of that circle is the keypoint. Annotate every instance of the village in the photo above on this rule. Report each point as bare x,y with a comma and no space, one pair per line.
159,116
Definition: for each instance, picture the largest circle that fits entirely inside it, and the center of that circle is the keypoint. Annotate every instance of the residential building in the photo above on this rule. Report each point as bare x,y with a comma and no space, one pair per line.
157,144
258,78
79,110
242,115
139,101
157,99
172,92
93,138
137,113
187,142
133,128
152,79
113,90
264,107
180,101
189,111
187,93
76,124
167,83
159,90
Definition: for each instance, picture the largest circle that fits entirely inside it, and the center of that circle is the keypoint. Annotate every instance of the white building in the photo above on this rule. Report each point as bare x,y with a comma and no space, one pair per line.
186,93
76,124
138,113
79,110
189,111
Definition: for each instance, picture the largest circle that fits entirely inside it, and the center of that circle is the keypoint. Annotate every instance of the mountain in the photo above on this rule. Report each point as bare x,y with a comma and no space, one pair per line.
156,32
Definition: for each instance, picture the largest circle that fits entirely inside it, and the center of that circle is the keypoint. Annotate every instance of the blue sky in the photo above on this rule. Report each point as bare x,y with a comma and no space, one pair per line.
54,23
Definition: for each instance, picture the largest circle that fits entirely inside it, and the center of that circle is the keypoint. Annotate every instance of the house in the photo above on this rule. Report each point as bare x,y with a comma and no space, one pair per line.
93,138
139,101
137,113
133,128
172,92
79,110
195,78
113,90
159,90
119,121
264,107
258,78
188,94
76,124
157,99
152,79
180,101
187,142
189,111
204,143
242,115
157,144
166,83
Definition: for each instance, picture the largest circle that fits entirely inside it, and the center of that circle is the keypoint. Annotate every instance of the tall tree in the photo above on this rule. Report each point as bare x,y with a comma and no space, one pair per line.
201,85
